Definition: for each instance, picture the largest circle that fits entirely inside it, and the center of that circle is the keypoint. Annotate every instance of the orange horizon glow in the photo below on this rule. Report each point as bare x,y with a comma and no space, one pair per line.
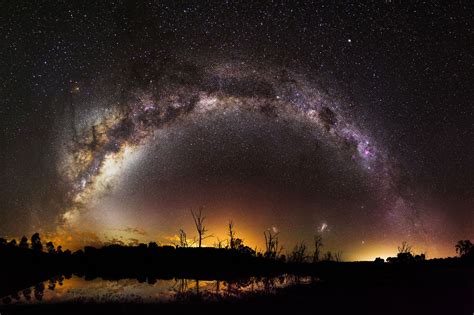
89,238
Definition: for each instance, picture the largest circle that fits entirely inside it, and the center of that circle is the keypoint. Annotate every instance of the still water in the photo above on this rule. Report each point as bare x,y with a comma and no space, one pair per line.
78,289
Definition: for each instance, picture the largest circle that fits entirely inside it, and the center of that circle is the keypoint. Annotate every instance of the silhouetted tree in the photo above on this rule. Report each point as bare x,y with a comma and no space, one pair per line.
218,244
231,235
420,257
12,243
271,244
59,249
328,256
238,243
183,241
298,253
50,248
23,242
405,248
318,244
392,260
338,256
244,249
36,242
152,245
379,260
405,253
3,241
464,248
199,223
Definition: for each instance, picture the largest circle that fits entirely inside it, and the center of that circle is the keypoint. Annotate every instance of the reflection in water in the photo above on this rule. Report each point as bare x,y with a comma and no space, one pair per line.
78,289
27,294
39,291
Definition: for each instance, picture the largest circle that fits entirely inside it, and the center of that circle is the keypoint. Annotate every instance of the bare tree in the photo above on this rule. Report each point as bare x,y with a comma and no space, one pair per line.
328,256
405,253
183,241
405,248
271,244
231,235
299,253
338,256
318,244
218,243
199,223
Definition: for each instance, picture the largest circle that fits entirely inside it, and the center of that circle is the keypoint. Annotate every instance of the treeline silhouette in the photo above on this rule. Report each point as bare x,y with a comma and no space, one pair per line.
26,266
32,259
29,261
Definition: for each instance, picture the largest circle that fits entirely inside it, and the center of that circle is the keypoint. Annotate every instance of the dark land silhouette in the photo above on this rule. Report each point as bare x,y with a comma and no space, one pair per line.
435,285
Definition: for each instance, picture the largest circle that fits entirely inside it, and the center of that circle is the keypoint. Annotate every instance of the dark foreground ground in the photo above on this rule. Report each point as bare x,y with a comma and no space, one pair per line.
296,300
405,287
343,288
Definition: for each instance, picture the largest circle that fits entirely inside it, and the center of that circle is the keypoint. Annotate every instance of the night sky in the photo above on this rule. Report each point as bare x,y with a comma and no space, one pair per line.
353,120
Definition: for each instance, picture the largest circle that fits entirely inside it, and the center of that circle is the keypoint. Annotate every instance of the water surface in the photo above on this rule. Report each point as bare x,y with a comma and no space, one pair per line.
98,290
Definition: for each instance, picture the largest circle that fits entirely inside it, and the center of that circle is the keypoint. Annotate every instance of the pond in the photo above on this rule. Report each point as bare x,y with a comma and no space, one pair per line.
78,289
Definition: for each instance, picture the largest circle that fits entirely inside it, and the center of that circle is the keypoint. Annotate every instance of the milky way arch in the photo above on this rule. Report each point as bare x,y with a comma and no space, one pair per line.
186,90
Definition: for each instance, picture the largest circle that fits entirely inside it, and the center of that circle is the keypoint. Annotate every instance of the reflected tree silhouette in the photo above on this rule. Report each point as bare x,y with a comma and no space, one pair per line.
183,285
218,286
39,291
197,287
52,284
16,296
281,279
27,294
231,287
151,280
60,280
268,285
